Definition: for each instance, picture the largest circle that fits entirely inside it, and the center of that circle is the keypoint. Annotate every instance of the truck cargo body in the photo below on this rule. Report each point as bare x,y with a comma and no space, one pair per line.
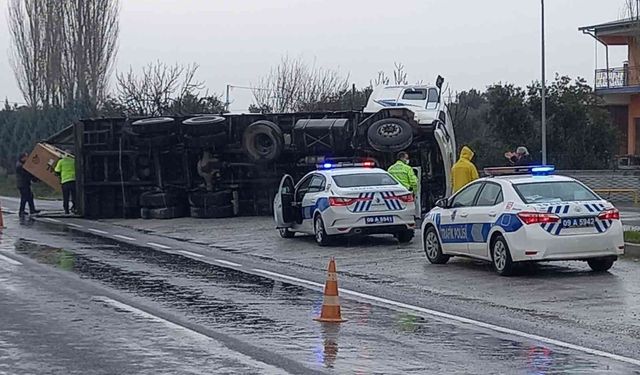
119,159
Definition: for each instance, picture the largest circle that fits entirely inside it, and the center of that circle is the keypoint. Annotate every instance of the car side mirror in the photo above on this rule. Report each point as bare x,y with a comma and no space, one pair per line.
442,203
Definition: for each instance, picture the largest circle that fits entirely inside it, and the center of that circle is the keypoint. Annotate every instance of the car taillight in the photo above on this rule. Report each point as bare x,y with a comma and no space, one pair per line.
341,202
407,198
610,214
538,218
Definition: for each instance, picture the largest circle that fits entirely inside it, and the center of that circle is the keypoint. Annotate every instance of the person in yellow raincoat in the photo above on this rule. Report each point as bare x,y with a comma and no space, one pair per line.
463,171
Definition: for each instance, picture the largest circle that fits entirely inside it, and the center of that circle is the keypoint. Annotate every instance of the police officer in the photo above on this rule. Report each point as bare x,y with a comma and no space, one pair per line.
66,169
463,171
403,173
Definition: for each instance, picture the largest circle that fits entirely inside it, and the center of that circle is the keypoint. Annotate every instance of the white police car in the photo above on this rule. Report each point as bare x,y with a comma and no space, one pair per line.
524,214
344,198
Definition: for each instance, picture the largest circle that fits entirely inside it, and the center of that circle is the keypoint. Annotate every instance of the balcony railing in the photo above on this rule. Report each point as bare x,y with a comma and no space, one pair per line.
617,77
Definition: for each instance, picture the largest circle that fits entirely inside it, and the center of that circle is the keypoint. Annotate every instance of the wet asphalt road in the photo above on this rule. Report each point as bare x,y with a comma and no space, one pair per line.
125,308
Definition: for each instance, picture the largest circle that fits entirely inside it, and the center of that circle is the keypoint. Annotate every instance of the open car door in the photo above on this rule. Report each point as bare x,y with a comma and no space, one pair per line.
283,210
446,143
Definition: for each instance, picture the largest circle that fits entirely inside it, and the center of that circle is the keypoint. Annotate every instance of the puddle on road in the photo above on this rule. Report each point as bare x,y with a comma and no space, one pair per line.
278,316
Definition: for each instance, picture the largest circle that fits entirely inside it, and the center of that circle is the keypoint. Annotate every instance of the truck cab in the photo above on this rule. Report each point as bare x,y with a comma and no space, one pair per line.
432,146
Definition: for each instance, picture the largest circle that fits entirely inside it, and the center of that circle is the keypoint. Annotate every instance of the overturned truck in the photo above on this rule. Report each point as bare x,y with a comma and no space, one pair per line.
231,164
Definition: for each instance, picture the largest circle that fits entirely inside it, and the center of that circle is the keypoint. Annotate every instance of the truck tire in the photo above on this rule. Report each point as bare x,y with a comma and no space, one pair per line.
212,212
154,125
263,141
210,199
205,141
145,213
204,125
160,200
168,212
390,135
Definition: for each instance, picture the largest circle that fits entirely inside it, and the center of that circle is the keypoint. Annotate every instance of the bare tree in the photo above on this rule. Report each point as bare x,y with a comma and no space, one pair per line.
382,79
91,36
63,51
294,85
159,89
399,75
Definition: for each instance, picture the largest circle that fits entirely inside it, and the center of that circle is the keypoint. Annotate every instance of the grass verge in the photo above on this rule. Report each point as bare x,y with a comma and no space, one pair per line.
632,236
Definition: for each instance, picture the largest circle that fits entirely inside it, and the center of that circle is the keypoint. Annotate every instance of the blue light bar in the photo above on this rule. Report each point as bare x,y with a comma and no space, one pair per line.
535,170
542,170
364,164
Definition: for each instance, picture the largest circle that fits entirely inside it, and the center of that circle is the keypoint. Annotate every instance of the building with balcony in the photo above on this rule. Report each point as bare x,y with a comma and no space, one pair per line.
619,84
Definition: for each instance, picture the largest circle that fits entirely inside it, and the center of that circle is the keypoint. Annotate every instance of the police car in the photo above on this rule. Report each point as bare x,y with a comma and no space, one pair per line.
522,214
344,198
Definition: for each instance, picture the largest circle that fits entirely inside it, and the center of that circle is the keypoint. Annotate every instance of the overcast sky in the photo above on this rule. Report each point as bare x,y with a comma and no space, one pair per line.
471,43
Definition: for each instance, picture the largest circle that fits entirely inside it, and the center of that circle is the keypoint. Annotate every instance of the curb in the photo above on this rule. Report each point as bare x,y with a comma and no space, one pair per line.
631,249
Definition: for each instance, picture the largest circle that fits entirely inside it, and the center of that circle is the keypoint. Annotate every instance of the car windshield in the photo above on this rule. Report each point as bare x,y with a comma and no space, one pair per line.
364,179
556,191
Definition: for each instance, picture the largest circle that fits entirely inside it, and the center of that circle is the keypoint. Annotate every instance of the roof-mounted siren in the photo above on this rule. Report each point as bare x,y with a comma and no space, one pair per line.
534,170
439,82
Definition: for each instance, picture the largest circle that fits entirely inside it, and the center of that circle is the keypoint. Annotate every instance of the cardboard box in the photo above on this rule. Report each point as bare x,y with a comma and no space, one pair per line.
41,163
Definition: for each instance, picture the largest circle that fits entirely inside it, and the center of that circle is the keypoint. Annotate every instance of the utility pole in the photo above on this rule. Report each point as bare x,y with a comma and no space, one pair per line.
544,99
226,100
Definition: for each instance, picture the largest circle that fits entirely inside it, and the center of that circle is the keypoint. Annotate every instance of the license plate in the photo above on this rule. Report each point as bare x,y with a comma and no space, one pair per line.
378,219
578,222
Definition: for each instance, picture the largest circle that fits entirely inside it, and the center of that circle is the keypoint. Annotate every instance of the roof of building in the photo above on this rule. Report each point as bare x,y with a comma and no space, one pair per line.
619,27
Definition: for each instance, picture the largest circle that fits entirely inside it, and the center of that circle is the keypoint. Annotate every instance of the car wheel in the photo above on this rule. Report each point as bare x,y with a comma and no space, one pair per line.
433,248
390,135
322,238
601,264
405,236
501,256
145,213
286,233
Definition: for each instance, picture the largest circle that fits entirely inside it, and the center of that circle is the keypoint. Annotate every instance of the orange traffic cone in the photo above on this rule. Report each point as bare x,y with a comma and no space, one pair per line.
331,302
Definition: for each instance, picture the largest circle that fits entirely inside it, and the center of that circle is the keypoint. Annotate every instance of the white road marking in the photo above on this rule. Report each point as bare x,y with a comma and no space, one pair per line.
74,225
126,238
51,220
226,262
158,245
124,307
9,260
461,319
97,231
189,253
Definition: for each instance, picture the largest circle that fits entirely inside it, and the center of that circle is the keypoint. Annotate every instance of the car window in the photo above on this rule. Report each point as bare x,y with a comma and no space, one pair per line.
364,179
554,191
433,96
317,184
489,195
302,188
466,196
415,94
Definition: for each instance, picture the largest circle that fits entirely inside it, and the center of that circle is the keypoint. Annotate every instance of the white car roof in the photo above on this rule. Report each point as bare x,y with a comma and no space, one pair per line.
350,170
524,179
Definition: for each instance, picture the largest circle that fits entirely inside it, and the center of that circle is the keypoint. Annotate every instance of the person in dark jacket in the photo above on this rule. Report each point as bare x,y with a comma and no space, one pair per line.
520,158
23,182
